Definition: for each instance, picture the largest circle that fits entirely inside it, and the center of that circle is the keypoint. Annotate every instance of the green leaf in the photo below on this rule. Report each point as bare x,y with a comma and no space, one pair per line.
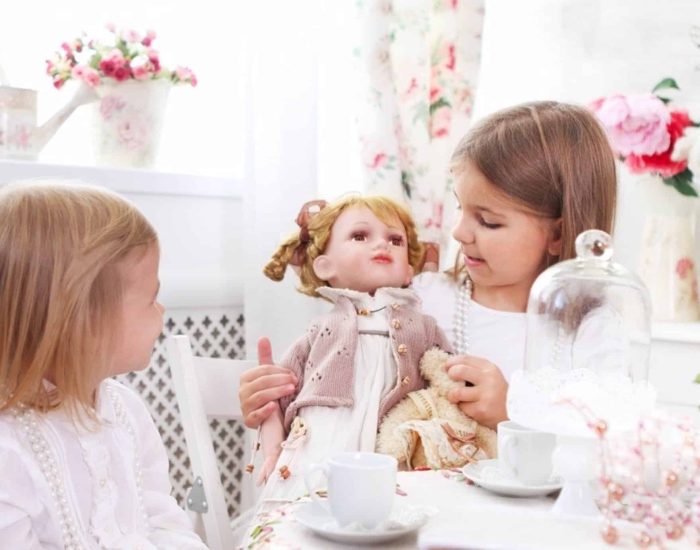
683,183
442,102
697,379
406,183
665,84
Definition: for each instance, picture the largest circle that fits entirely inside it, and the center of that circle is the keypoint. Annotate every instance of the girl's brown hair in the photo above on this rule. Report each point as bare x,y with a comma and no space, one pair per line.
319,231
61,248
553,158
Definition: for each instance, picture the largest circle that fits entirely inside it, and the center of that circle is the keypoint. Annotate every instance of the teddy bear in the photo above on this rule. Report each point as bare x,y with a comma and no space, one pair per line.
425,430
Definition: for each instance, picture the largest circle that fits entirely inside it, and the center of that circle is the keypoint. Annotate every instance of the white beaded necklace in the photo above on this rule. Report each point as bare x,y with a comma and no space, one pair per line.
41,448
461,317
460,323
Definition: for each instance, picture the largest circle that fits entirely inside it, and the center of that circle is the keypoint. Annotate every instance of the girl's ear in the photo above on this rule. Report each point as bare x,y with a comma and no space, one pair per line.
324,268
554,242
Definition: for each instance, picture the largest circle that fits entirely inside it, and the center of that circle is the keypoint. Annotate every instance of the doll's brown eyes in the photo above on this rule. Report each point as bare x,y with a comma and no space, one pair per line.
396,241
360,236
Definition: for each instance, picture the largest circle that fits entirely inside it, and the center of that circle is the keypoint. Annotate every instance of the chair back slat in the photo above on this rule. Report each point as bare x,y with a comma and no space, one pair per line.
207,388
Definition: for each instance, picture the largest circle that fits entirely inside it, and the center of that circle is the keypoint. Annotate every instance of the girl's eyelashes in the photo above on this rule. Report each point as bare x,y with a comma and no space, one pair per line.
486,224
359,236
396,240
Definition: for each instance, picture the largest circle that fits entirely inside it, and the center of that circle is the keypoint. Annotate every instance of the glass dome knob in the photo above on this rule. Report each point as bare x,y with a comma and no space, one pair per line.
594,244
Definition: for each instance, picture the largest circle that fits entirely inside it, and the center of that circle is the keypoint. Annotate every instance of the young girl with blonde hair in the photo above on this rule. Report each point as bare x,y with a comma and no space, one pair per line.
355,362
82,463
528,180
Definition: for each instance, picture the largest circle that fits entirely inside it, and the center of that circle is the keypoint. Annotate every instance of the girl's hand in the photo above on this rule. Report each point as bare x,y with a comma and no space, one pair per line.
263,385
485,399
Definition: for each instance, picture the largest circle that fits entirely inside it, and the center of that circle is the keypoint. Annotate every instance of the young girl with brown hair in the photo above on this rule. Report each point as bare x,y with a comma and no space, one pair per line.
528,180
82,463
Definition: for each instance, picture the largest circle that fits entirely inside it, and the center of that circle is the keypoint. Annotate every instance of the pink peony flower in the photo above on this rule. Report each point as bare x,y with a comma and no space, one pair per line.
662,163
636,124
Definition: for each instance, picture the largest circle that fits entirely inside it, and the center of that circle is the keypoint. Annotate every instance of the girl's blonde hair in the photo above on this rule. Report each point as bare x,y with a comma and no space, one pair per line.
60,289
553,158
319,231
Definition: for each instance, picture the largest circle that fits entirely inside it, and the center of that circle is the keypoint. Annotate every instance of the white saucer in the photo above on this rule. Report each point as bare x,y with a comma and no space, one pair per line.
488,474
403,520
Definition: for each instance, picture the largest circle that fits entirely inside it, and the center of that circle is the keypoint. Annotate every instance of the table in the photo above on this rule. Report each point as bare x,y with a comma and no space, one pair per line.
467,517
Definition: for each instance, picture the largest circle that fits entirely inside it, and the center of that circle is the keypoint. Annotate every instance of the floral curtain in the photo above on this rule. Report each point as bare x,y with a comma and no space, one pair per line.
419,60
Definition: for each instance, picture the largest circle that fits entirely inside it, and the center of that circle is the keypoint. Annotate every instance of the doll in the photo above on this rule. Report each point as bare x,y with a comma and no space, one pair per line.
355,362
426,430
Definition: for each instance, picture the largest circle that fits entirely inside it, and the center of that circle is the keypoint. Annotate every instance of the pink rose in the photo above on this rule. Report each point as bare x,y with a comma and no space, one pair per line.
149,38
116,57
91,77
186,75
636,124
121,73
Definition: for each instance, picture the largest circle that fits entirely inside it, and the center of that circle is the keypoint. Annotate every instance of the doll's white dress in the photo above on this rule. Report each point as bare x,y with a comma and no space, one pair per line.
336,429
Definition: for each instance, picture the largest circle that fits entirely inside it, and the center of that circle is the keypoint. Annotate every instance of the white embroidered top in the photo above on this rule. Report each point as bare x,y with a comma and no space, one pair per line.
63,485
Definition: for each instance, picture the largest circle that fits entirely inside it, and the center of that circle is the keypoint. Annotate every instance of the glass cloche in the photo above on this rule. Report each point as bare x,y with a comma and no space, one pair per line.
587,346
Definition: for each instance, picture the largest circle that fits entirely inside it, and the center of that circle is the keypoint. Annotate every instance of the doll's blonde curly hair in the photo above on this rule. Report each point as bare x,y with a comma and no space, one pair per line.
319,231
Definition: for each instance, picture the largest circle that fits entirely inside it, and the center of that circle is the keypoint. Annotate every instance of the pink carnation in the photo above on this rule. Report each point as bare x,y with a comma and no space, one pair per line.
636,124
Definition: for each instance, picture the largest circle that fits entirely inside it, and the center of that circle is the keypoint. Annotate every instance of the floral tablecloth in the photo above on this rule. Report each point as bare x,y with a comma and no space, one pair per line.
466,516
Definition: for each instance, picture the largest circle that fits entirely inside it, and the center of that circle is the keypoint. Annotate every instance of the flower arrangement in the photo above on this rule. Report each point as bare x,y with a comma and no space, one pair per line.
125,55
650,136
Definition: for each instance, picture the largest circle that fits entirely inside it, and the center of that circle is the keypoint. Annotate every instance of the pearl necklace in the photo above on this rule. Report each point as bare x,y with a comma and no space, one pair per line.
48,465
460,340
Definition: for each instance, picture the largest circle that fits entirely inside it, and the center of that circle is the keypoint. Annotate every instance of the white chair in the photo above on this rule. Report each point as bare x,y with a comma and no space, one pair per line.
208,388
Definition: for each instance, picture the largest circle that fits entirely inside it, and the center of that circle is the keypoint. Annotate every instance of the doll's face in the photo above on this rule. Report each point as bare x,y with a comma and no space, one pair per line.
364,254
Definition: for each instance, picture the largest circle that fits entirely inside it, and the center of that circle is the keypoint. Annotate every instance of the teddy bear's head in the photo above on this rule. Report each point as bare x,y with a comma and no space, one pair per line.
431,367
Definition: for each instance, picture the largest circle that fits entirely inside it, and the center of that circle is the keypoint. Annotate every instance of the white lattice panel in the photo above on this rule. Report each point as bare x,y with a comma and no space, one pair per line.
213,333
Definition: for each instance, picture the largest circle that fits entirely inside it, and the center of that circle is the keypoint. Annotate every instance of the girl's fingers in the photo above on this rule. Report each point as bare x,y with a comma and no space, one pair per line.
467,360
258,416
262,398
267,382
466,373
254,373
464,395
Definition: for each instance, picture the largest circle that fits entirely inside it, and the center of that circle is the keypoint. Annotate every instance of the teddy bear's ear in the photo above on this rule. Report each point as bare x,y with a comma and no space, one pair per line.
431,367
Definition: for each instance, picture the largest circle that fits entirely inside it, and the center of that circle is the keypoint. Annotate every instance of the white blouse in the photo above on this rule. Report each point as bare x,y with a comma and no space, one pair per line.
497,336
64,485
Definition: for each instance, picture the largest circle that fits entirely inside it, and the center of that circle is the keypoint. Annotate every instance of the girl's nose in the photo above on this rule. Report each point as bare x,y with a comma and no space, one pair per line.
381,243
463,232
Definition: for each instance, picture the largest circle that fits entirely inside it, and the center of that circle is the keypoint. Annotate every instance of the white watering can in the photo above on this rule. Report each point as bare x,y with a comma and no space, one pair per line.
20,137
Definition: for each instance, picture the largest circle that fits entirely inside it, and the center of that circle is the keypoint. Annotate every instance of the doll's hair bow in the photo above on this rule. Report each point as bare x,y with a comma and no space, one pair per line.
308,210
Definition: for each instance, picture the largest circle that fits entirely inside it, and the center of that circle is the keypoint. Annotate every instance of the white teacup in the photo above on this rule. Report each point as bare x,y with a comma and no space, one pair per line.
525,454
361,487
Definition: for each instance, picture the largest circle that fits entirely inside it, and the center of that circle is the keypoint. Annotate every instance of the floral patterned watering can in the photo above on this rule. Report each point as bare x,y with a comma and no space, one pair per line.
20,137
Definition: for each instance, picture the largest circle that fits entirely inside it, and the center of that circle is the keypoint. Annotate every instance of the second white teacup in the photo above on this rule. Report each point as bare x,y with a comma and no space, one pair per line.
361,487
525,454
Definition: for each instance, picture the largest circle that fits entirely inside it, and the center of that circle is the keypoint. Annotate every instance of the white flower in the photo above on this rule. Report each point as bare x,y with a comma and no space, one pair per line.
688,148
